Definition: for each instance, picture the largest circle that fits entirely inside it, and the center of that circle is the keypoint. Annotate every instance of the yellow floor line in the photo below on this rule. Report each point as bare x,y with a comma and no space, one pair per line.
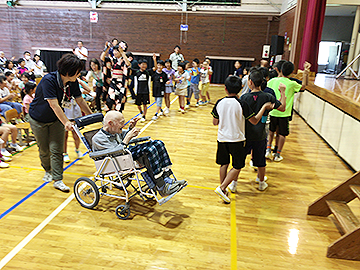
233,233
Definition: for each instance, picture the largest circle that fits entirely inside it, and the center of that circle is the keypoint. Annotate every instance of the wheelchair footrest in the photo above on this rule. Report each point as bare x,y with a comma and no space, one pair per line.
148,180
166,199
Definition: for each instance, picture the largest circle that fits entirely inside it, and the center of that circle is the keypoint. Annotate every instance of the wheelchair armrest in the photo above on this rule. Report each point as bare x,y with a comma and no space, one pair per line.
137,140
108,152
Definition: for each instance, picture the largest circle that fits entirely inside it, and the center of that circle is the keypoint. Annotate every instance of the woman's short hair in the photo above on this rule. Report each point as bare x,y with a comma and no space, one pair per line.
69,65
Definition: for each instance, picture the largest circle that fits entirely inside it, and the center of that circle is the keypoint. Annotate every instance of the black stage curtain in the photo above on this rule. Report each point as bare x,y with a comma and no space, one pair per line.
223,68
50,58
149,59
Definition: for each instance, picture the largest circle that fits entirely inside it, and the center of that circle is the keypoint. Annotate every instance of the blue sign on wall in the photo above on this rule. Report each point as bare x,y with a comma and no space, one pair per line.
184,27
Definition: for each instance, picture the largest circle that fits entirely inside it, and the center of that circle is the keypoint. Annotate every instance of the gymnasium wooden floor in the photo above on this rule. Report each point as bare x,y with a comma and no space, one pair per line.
194,230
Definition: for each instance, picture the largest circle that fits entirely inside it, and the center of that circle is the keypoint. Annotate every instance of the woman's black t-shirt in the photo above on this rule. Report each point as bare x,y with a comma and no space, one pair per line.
51,87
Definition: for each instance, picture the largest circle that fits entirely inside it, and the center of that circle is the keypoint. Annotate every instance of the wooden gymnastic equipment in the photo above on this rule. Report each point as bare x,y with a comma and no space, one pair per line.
335,202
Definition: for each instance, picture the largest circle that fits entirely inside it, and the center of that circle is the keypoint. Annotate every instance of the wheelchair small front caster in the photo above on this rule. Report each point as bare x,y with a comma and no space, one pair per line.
123,211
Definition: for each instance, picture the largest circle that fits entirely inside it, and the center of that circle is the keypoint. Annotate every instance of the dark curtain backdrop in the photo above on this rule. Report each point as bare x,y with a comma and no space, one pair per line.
50,58
149,59
223,68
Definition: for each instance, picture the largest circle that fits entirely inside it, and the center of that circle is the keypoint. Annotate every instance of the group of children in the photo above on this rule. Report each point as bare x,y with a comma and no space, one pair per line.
187,81
8,101
242,122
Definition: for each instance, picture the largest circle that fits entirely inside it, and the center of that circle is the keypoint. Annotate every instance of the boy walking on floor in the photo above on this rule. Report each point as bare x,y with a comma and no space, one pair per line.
230,114
255,134
280,120
159,79
142,81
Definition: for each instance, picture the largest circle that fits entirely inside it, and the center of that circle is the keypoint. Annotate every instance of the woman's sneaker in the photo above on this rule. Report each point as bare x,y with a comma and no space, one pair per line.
66,158
154,117
47,177
61,186
222,194
166,110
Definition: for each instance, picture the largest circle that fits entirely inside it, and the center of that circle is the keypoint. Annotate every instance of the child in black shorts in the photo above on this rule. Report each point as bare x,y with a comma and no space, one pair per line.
228,114
256,134
142,80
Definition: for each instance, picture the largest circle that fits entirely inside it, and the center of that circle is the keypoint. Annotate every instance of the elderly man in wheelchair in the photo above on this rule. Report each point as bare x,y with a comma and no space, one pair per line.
157,159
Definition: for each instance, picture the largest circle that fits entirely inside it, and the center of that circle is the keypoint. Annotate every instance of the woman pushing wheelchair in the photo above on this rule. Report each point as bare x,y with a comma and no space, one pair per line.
111,135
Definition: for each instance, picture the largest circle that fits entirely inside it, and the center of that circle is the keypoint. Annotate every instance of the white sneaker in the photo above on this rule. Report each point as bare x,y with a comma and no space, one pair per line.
66,158
154,118
252,165
142,120
278,158
6,159
232,186
268,154
179,110
166,110
4,165
258,180
5,152
197,104
187,106
222,195
47,177
263,185
182,111
17,147
79,154
160,114
60,185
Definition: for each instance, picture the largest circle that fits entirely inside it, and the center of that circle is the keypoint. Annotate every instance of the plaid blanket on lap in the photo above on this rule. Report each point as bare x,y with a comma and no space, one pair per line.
156,153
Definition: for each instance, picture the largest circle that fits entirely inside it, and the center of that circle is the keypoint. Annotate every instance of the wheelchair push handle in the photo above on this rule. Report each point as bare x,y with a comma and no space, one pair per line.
89,119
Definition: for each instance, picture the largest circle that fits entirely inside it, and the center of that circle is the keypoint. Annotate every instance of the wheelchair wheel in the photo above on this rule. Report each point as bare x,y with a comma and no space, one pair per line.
122,211
86,192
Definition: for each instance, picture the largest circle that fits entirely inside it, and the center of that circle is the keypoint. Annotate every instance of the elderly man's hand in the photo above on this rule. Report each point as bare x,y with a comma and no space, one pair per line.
131,134
133,122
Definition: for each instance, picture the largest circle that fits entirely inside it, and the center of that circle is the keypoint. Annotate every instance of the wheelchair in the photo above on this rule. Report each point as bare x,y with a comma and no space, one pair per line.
116,172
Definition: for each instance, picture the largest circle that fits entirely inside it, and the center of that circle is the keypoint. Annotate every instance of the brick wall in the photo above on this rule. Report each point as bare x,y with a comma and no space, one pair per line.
286,26
220,35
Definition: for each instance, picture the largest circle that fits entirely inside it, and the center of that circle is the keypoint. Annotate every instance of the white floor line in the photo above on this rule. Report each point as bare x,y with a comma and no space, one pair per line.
174,99
46,221
31,235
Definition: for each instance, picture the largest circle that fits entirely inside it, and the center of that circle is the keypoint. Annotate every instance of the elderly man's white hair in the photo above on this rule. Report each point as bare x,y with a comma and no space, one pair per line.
111,116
